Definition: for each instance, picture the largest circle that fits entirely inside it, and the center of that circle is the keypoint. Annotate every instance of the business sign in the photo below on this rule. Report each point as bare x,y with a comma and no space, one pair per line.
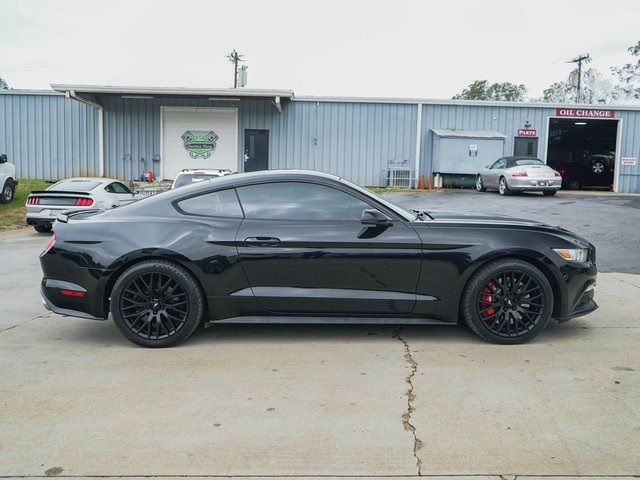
527,132
628,161
473,150
585,113
199,143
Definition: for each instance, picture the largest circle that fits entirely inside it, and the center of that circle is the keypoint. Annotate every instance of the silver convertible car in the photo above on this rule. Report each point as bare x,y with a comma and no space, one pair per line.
518,174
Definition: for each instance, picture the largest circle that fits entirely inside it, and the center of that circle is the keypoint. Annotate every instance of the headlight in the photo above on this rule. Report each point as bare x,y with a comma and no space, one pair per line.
573,254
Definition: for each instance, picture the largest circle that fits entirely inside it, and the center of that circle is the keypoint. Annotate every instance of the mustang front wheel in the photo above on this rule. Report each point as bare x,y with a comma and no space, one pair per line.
507,301
157,304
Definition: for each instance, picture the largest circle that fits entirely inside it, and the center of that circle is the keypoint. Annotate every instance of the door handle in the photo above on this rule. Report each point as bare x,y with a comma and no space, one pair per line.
262,241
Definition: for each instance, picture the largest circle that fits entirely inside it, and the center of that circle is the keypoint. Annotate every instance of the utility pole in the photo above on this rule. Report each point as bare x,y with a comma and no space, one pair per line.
586,58
234,57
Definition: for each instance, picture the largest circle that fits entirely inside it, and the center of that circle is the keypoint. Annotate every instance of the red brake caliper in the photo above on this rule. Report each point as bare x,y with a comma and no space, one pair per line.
488,298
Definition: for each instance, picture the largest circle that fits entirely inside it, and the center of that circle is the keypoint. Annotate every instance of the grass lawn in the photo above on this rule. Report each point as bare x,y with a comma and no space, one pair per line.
12,214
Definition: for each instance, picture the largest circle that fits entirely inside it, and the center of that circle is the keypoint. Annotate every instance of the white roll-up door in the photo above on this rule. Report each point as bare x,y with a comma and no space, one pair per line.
194,137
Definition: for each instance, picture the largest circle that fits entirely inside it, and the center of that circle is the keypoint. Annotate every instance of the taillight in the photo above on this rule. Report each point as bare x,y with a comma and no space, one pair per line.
84,202
556,173
73,293
519,174
33,200
50,243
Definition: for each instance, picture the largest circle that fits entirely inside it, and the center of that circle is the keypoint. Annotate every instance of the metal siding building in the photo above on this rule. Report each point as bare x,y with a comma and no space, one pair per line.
48,135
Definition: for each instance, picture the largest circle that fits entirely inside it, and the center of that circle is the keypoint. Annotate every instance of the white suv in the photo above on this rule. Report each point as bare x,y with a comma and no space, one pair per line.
187,177
8,180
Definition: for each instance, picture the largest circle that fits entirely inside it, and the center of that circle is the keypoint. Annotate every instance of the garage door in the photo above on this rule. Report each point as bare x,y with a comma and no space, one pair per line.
198,138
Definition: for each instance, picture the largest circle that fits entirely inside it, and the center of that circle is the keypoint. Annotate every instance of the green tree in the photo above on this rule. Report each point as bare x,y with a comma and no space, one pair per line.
3,84
629,74
483,90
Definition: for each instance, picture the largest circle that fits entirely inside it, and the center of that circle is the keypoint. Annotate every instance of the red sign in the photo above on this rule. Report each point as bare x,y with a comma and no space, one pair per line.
585,113
527,132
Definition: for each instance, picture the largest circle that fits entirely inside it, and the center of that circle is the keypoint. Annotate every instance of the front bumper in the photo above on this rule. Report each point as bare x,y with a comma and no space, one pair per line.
534,184
578,285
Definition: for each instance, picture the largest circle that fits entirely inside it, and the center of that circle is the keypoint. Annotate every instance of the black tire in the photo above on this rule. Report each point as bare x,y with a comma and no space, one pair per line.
503,187
495,324
8,191
480,184
43,227
549,193
171,313
574,184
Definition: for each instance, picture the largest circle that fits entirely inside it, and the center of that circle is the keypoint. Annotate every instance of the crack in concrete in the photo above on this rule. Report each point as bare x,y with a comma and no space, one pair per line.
26,321
406,416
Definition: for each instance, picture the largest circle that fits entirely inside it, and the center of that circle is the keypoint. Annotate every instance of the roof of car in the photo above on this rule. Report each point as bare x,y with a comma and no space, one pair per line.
521,157
203,170
230,181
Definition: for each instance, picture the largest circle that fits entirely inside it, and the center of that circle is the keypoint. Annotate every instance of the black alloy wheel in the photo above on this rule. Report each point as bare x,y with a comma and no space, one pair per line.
508,301
157,304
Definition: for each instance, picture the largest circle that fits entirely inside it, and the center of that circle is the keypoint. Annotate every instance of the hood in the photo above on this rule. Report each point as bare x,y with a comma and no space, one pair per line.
476,218
500,220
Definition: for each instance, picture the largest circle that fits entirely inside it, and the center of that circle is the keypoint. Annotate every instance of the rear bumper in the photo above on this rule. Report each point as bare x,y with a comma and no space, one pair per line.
48,304
536,184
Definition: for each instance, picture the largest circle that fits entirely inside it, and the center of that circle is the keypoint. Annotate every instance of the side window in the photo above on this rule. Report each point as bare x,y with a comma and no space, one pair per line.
500,163
299,201
217,204
117,187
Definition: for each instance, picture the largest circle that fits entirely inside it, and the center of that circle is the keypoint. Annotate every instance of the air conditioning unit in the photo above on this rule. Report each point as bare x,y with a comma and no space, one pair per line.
400,178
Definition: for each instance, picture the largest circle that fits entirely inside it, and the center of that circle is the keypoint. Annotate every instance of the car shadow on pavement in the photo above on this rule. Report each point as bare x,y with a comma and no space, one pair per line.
106,334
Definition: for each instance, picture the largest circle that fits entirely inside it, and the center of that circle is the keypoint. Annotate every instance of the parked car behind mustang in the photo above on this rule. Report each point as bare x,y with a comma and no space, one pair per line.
519,174
308,247
75,194
8,181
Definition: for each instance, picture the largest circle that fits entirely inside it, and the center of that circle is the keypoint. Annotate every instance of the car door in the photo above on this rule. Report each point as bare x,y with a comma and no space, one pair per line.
495,172
304,249
119,194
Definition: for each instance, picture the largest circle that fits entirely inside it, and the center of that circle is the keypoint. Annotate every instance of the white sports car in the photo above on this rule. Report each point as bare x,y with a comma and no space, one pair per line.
519,174
44,206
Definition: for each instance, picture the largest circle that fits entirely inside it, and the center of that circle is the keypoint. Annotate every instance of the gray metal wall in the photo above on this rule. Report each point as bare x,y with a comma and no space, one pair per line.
48,136
354,140
508,119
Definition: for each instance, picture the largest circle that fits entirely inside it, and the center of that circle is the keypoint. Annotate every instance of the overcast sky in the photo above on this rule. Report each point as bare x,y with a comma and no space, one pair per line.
428,49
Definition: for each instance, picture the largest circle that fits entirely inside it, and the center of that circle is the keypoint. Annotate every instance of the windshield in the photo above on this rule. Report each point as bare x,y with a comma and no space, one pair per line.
74,186
402,211
529,161
189,178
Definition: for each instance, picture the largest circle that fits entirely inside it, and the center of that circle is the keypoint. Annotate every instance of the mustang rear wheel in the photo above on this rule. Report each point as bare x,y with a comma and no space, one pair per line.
508,301
157,304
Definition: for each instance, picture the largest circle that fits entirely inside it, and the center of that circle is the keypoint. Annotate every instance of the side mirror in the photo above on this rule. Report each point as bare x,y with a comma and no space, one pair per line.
3,158
375,217
487,167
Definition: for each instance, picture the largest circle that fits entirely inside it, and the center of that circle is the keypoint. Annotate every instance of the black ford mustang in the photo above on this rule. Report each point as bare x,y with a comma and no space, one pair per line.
307,247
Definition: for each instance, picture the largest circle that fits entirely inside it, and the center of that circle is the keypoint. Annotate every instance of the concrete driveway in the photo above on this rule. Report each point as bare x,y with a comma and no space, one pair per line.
76,399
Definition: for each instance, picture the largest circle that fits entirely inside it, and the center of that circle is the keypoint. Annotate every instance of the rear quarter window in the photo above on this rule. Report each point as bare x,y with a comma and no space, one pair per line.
223,203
